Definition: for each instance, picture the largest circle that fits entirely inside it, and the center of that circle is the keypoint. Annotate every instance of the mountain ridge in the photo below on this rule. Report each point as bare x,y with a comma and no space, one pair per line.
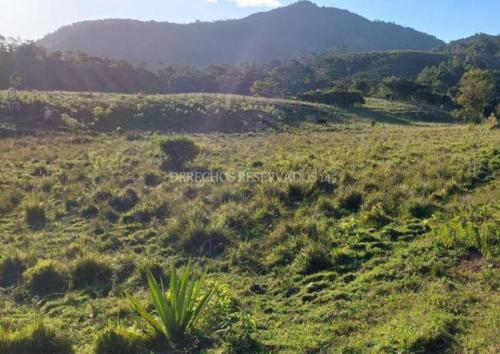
289,32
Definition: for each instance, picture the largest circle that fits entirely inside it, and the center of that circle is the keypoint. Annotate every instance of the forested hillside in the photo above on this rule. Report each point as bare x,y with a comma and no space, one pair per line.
284,33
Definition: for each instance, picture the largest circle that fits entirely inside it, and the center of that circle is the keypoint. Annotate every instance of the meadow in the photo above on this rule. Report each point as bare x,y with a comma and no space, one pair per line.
397,252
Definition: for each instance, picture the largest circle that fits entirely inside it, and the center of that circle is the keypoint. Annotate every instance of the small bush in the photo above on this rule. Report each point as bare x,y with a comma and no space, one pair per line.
351,202
37,339
46,278
34,215
11,270
89,272
178,151
119,341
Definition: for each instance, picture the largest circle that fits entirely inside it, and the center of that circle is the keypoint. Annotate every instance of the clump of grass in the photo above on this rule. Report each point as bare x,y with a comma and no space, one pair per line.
206,241
420,209
295,192
327,207
150,266
151,179
376,217
9,200
88,272
177,308
38,338
125,201
313,259
40,171
34,214
119,340
46,278
351,202
11,270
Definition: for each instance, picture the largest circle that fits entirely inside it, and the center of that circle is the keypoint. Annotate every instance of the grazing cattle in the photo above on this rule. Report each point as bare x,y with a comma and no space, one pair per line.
322,122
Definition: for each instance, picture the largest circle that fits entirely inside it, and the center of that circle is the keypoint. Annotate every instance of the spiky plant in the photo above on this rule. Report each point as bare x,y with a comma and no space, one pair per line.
177,308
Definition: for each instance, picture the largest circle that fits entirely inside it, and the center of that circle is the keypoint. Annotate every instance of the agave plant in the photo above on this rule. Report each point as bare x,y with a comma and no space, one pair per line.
177,308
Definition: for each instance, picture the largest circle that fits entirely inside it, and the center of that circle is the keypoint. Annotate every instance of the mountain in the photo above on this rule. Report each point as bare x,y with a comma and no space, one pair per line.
288,32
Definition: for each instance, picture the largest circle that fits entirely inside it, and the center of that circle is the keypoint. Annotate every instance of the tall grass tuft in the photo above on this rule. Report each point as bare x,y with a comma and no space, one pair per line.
177,308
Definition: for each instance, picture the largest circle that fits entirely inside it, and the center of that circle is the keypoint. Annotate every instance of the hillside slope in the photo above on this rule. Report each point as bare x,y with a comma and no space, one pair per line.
191,113
288,32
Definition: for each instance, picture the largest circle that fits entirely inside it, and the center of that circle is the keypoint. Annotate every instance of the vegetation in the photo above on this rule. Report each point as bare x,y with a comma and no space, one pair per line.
178,151
294,30
38,338
401,233
331,97
476,90
178,308
389,245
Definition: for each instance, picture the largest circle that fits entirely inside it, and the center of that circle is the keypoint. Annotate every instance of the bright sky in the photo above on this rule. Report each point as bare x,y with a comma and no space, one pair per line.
446,19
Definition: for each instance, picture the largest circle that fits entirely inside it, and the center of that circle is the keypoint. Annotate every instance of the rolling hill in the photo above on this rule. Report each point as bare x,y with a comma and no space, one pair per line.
288,32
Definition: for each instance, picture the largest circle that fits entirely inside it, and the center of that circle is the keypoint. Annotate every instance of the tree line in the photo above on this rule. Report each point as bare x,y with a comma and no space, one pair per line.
463,76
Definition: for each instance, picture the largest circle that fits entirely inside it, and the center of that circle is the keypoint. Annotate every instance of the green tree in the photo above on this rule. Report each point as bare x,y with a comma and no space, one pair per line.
267,88
15,80
476,90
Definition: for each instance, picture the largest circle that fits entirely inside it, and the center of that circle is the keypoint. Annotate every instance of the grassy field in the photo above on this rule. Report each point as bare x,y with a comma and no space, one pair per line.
193,113
397,251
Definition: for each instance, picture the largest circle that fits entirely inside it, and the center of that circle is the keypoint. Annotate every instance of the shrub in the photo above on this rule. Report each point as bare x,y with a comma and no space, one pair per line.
351,202
34,215
46,278
37,339
89,272
119,341
179,151
11,270
178,307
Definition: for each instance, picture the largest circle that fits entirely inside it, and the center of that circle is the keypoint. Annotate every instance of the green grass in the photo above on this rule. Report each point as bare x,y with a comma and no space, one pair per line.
196,113
359,263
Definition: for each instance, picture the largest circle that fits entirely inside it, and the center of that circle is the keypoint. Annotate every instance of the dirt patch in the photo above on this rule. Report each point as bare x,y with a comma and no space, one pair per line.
473,262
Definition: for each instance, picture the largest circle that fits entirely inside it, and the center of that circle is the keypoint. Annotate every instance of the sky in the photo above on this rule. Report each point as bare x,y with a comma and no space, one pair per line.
446,19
